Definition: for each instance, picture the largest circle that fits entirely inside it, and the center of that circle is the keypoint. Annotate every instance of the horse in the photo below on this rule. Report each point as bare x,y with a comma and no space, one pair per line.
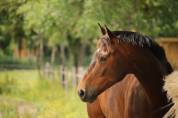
125,77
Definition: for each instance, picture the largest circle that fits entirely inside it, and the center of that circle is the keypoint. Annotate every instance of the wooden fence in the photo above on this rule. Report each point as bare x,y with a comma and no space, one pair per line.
69,77
171,48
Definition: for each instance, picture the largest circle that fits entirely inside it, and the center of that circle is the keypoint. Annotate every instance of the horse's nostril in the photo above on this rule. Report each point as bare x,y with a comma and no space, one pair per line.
81,93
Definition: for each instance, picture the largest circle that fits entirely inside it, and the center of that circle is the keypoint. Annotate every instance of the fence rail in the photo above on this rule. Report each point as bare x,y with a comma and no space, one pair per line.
68,76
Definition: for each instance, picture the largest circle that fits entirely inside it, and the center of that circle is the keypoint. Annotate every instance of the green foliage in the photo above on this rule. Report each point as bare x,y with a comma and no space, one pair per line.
10,21
55,19
159,17
52,19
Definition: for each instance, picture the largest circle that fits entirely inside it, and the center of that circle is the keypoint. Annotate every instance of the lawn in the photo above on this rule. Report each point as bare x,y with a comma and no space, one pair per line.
24,95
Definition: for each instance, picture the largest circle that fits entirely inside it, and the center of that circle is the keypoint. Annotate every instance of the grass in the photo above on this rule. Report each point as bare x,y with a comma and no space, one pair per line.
24,95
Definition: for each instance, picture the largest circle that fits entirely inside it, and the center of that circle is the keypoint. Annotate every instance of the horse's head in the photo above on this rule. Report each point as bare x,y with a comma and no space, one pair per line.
106,68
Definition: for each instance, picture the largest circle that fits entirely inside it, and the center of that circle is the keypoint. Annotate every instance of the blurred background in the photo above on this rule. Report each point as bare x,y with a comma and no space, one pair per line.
46,45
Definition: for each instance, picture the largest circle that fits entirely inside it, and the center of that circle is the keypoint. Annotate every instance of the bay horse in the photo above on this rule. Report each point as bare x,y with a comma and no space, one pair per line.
125,78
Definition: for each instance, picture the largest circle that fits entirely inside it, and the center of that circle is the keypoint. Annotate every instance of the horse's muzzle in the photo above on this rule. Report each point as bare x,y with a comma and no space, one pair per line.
86,97
81,94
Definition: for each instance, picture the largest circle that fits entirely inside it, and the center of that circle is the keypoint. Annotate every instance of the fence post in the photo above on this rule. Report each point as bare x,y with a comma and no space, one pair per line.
62,76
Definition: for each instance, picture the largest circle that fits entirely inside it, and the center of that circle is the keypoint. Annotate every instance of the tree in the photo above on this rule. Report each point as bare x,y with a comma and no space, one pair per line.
11,28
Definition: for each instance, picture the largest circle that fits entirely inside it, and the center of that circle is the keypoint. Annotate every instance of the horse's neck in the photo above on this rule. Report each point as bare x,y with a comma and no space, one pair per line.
149,73
153,85
154,90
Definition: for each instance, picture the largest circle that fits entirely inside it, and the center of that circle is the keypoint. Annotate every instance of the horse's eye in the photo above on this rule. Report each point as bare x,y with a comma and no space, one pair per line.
102,55
103,58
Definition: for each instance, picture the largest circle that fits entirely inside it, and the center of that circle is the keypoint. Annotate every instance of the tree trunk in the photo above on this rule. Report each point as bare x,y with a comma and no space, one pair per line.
20,47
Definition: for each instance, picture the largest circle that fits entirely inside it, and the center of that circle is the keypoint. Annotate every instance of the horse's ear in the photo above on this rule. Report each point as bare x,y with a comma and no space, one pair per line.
109,33
103,31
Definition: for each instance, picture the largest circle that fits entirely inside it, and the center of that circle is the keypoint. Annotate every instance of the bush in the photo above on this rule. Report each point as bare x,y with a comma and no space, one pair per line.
8,62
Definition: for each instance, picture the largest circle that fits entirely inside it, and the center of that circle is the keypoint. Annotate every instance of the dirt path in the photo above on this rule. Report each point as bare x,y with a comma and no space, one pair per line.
22,109
26,110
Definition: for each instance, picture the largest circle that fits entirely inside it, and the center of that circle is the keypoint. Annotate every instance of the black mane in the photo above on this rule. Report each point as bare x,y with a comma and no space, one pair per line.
136,38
